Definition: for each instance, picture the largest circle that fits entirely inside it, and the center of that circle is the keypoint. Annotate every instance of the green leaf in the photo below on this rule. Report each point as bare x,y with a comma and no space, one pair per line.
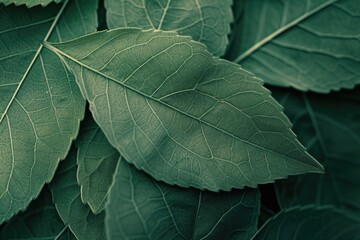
29,3
39,221
206,21
310,223
181,114
309,45
74,213
329,127
141,208
40,103
97,161
233,46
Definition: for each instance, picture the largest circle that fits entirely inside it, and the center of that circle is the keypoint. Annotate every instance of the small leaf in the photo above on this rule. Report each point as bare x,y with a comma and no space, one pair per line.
29,3
40,103
185,117
39,221
75,214
206,21
329,127
142,208
310,223
309,45
97,161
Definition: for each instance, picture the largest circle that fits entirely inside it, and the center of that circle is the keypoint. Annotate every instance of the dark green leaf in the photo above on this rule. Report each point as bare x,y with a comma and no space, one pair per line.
142,208
206,21
40,103
96,160
74,213
39,221
310,223
182,115
310,45
329,127
29,3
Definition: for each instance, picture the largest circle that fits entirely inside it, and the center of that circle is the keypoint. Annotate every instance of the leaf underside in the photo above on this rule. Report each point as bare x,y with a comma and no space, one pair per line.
96,160
40,103
182,115
206,21
142,208
310,223
329,127
74,213
309,45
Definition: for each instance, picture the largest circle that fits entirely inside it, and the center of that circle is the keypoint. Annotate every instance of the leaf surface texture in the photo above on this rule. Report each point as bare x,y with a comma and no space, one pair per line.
74,213
309,45
97,161
182,115
206,21
40,103
142,208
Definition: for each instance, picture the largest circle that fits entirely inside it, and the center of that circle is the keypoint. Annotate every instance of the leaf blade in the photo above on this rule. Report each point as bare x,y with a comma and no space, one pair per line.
139,206
206,21
195,101
96,160
39,221
66,196
41,105
327,125
324,60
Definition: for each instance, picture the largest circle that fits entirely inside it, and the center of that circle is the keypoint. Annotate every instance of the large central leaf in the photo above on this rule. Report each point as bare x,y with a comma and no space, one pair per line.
182,115
40,103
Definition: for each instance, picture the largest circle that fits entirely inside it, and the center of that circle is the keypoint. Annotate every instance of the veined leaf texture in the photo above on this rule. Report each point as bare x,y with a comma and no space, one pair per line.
140,207
67,198
40,103
195,121
206,21
309,45
96,160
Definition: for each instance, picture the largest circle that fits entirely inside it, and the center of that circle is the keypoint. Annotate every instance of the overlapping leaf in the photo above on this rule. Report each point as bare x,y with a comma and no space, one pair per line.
310,45
97,161
329,127
39,221
310,223
40,104
142,208
29,3
74,213
182,115
206,21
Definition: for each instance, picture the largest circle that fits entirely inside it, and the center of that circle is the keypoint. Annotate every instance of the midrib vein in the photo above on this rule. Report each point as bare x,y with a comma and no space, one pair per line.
52,27
59,52
261,43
